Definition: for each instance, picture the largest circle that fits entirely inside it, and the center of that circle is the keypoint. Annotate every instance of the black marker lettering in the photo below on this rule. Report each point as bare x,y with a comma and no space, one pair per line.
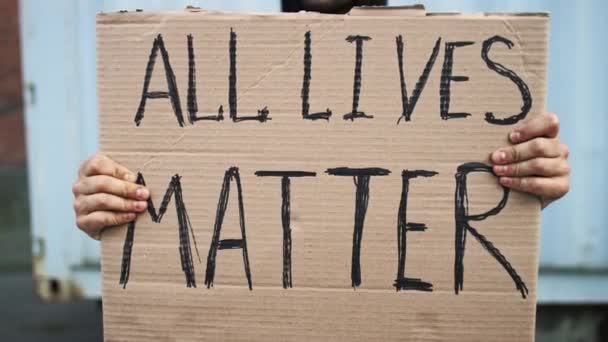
510,74
127,249
232,99
361,178
409,105
286,216
402,282
306,84
447,78
216,243
174,189
192,103
355,113
172,92
462,227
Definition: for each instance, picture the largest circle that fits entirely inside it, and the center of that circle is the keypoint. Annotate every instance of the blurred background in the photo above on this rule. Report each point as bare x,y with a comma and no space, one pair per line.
49,271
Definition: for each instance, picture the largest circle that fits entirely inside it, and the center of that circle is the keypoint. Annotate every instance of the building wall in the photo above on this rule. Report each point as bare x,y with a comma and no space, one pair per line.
14,213
12,146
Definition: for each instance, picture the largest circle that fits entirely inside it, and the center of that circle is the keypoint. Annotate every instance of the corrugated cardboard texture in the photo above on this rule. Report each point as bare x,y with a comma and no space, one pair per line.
322,303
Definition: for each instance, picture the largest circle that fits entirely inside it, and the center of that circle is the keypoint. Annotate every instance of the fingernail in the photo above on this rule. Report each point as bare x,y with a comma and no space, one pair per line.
506,181
500,169
141,205
142,193
499,156
515,136
130,216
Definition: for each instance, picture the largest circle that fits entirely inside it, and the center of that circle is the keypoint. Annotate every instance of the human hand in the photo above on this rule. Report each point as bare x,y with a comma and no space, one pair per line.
537,162
105,194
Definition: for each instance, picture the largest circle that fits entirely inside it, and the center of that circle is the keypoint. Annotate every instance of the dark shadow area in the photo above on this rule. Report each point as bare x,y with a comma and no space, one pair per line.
572,323
25,317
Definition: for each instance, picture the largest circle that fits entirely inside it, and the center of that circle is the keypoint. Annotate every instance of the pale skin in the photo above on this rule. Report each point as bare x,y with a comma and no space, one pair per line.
536,162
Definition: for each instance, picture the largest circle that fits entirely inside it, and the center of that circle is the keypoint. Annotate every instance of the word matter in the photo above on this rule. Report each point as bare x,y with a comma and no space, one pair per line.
362,178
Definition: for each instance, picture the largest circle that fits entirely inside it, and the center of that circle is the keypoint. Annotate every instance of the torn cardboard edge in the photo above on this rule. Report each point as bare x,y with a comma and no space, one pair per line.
417,10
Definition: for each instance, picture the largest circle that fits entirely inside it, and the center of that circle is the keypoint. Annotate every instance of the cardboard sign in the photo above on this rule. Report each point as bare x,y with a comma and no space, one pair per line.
320,177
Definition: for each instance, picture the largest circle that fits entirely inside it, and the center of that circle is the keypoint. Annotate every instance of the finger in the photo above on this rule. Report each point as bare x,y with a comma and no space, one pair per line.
565,150
102,165
93,223
110,185
535,148
101,201
543,125
548,167
545,187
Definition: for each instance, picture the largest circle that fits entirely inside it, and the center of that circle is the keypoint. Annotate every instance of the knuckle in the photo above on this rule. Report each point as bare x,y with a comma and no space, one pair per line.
522,184
81,223
538,146
94,164
535,186
515,155
100,184
97,163
112,220
553,121
125,189
529,185
539,166
76,188
567,169
565,150
516,183
106,185
103,201
78,205
126,205
114,171
515,169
